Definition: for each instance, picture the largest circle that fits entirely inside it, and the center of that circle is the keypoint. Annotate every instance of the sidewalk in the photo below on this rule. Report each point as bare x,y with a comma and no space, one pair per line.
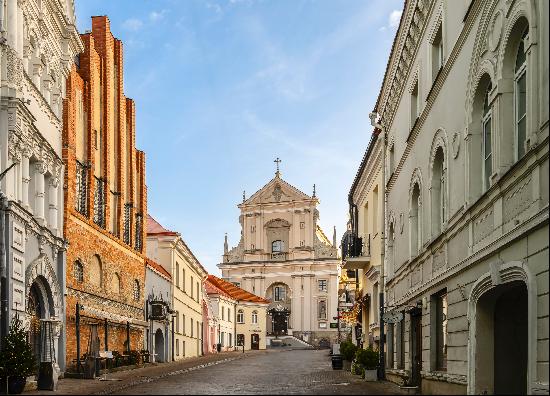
72,386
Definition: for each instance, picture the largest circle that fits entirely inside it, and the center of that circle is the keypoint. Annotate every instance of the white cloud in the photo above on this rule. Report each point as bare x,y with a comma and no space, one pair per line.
133,24
155,16
394,18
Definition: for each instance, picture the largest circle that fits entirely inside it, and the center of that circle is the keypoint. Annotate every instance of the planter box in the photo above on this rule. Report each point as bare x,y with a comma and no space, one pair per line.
371,375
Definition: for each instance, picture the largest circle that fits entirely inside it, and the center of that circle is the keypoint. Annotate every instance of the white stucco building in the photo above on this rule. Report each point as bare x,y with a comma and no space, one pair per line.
464,105
38,45
285,257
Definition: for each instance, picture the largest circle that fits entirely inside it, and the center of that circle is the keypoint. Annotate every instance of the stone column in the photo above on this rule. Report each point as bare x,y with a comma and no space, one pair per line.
12,23
25,178
39,171
54,183
36,73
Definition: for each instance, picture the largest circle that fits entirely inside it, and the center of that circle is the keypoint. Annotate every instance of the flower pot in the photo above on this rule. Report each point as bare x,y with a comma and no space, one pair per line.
371,375
347,365
16,385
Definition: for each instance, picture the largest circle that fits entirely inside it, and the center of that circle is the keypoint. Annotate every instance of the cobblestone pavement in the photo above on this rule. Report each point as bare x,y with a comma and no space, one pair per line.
273,372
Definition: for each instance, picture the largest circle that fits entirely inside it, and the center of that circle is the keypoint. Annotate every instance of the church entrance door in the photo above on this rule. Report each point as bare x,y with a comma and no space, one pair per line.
280,323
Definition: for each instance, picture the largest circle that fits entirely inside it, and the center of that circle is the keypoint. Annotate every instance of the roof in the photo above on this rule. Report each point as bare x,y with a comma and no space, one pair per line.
364,161
277,180
235,292
158,268
155,228
213,289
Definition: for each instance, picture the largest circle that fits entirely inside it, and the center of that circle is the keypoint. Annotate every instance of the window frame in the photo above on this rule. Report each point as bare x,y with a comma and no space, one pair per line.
323,288
279,243
487,120
518,75
254,317
240,316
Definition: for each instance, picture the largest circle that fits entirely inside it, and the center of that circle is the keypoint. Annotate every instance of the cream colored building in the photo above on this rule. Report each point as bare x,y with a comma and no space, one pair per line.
464,105
250,312
223,311
169,250
285,257
362,245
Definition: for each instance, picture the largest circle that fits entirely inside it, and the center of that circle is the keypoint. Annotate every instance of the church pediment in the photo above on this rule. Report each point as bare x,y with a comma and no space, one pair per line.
276,191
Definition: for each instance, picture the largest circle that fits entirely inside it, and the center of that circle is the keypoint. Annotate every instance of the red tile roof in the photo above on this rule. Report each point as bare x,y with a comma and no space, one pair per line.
213,289
158,268
155,228
235,292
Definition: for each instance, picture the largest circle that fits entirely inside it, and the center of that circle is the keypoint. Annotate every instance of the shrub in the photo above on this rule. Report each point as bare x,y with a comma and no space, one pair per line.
347,350
17,358
368,358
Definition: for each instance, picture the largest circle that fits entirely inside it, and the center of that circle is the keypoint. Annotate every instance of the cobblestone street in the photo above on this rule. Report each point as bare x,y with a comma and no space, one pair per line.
274,372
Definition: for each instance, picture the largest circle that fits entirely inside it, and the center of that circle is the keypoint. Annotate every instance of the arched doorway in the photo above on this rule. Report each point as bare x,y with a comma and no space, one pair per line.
35,311
159,346
501,352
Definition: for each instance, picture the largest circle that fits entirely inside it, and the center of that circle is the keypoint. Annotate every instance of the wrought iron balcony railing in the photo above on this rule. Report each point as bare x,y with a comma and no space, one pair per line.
81,195
99,202
355,246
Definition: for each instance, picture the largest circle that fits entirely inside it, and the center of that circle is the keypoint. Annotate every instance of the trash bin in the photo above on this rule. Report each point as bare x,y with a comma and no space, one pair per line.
219,347
337,362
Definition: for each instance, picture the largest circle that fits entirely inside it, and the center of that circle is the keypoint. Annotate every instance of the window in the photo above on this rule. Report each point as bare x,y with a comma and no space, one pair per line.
252,247
302,225
440,355
198,291
240,339
438,196
323,285
137,291
95,271
191,286
253,229
322,310
375,307
177,275
414,221
375,210
279,293
254,317
228,315
192,327
400,344
78,272
238,284
390,342
183,280
116,283
486,140
415,108
520,96
177,322
177,347
183,323
437,52
223,313
240,316
277,246
222,338
230,341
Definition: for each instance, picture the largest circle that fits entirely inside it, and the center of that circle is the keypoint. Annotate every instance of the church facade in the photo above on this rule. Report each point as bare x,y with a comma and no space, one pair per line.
284,257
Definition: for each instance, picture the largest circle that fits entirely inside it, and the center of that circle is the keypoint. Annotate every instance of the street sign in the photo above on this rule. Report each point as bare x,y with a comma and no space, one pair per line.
106,354
392,317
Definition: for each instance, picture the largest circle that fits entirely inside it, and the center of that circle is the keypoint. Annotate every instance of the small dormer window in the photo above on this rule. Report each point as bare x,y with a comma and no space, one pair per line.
277,246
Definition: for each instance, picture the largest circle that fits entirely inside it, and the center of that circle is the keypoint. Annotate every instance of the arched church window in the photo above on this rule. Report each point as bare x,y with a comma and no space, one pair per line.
240,316
78,272
279,293
254,317
520,96
486,141
277,246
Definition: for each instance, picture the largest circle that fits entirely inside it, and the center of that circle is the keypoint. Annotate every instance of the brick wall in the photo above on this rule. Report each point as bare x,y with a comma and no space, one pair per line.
123,172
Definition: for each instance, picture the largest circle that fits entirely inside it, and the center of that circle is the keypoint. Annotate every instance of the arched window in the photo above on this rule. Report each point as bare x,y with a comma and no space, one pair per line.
240,316
115,283
438,192
254,317
277,246
414,221
137,291
486,128
279,293
520,96
78,271
96,271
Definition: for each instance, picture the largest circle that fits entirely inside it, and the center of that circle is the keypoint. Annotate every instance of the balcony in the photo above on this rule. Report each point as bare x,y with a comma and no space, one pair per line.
278,256
356,252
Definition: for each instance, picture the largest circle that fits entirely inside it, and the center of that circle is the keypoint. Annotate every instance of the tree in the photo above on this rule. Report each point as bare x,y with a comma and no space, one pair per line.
17,358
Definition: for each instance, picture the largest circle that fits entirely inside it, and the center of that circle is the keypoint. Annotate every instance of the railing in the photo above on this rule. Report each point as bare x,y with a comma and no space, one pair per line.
128,223
139,232
278,256
99,202
354,246
81,196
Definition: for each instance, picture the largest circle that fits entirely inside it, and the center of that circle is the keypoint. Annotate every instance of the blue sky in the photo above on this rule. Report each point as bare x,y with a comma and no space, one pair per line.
223,87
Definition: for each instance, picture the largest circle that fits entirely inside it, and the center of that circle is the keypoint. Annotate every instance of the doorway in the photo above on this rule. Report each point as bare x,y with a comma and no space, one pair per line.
255,342
416,347
35,310
159,346
501,355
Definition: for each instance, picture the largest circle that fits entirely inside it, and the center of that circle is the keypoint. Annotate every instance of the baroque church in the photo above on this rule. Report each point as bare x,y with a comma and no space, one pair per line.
284,256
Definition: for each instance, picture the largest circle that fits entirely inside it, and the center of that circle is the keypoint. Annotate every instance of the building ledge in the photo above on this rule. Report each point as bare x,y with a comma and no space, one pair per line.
353,263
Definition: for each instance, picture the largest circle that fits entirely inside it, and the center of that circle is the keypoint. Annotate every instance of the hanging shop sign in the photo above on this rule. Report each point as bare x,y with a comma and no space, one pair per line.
392,317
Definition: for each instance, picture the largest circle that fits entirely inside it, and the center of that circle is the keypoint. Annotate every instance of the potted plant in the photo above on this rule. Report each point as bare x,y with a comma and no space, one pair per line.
17,360
368,359
347,349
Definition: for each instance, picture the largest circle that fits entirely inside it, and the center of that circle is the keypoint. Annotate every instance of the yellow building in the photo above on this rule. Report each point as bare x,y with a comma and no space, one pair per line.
169,250
362,245
250,314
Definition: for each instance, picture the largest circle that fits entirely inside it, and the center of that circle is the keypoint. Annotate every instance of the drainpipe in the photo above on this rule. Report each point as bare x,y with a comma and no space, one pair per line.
382,137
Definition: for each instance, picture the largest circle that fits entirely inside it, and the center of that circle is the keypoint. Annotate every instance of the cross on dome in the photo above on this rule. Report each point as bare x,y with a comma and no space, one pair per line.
278,161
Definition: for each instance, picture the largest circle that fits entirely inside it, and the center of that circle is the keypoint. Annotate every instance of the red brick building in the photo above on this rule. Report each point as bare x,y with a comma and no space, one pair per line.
105,200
